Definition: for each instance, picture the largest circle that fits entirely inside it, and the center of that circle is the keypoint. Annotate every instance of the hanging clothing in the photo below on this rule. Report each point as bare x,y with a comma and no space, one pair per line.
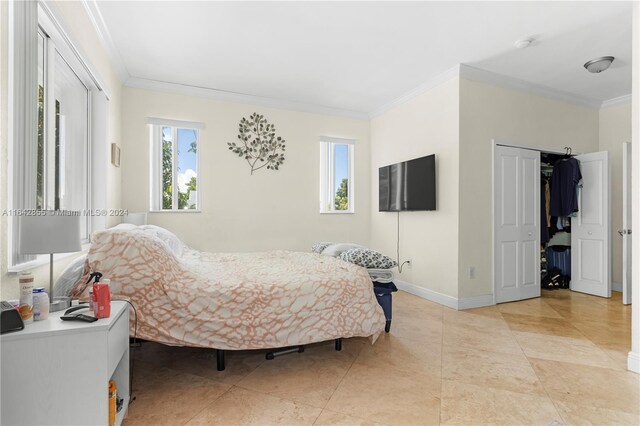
544,210
547,201
564,183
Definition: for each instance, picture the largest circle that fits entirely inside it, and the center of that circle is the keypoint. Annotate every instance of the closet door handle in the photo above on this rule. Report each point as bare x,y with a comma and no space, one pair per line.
530,233
590,233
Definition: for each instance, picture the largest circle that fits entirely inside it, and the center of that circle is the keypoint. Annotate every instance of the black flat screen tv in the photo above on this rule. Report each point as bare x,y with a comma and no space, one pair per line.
408,186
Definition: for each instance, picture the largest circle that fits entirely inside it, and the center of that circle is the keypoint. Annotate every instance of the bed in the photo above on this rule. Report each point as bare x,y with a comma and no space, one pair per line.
231,301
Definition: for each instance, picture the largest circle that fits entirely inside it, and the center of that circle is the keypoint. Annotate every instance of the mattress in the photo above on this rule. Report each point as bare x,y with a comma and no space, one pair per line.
233,300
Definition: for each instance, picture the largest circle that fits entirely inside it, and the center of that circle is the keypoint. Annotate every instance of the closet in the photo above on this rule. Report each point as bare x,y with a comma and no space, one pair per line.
560,181
518,219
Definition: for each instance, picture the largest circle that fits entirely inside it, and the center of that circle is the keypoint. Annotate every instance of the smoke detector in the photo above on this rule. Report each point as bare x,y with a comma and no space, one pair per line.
599,64
523,43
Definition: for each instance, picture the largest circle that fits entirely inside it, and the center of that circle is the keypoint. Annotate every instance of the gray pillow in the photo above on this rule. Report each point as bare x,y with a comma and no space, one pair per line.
70,276
368,258
319,247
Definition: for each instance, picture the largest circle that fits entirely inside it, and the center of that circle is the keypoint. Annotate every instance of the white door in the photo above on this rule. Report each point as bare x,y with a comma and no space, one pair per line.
625,232
590,230
516,224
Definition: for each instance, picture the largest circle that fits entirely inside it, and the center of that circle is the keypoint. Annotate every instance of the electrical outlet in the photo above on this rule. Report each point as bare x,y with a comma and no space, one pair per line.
472,272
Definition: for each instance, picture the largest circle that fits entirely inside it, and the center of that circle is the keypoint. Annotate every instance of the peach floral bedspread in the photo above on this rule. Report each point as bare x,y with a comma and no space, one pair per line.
234,300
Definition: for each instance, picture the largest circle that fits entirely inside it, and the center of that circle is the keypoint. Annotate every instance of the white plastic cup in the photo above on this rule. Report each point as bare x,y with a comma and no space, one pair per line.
40,304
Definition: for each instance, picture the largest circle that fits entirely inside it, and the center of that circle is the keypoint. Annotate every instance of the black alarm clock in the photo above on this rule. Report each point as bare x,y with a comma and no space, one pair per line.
10,319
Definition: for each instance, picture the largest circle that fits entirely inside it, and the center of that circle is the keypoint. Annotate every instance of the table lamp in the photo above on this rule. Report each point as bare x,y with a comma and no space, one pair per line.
54,232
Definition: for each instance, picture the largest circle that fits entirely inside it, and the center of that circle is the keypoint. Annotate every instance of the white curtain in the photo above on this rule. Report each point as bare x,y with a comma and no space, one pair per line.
23,84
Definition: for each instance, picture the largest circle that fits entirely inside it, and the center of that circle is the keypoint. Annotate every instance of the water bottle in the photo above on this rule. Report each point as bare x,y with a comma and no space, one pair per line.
26,297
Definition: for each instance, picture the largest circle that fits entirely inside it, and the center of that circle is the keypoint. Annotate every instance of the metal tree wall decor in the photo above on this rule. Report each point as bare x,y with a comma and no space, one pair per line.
258,145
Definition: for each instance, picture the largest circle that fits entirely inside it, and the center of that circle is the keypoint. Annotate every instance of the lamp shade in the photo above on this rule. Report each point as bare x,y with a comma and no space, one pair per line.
55,232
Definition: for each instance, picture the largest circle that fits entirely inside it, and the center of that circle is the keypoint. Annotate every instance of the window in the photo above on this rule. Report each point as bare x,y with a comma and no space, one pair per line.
174,165
51,120
62,154
336,175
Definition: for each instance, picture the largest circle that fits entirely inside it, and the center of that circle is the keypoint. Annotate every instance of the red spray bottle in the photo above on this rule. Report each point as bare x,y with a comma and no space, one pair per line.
100,302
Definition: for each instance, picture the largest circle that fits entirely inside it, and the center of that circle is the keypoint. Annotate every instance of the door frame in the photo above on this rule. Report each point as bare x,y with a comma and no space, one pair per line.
627,224
494,144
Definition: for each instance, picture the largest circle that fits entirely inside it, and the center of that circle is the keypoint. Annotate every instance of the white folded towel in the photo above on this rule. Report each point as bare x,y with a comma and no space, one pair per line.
381,275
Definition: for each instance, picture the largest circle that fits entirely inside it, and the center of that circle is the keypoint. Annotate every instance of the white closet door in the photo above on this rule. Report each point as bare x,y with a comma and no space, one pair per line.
516,224
590,230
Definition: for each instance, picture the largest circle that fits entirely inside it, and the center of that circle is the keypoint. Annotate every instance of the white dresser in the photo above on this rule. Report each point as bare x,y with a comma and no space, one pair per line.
57,372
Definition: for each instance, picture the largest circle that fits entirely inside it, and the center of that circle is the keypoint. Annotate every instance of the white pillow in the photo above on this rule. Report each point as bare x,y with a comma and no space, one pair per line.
335,250
169,238
125,226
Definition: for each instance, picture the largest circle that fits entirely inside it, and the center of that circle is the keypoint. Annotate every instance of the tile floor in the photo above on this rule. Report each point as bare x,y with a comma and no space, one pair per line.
505,364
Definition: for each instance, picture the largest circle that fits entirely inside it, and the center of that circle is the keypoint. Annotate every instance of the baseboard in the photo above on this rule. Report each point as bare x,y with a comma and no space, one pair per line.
475,302
633,362
446,300
425,293
616,286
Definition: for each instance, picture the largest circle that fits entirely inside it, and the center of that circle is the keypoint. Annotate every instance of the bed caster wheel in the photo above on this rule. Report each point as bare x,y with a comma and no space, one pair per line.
269,356
301,349
387,326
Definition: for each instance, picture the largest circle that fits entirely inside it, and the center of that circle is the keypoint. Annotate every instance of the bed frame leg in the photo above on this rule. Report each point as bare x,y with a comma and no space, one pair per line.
338,344
220,359
283,351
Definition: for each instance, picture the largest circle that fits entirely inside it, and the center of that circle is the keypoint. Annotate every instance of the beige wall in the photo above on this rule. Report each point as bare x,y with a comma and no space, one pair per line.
428,124
614,129
488,112
241,212
79,28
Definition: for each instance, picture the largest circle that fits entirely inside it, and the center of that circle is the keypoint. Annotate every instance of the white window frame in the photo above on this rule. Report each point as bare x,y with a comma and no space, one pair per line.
155,162
21,185
327,184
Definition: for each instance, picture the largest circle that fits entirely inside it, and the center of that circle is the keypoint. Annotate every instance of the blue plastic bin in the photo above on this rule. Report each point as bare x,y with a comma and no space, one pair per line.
559,257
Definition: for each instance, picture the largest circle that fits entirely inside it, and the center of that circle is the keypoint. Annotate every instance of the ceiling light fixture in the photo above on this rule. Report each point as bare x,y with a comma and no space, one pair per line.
599,64
522,43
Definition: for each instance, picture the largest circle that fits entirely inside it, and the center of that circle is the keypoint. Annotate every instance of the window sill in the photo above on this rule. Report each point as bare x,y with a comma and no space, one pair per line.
43,259
338,212
176,211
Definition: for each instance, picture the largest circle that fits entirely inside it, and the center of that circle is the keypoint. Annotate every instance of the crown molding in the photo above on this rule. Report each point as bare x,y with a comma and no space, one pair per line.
55,18
222,95
476,74
620,100
95,16
423,88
